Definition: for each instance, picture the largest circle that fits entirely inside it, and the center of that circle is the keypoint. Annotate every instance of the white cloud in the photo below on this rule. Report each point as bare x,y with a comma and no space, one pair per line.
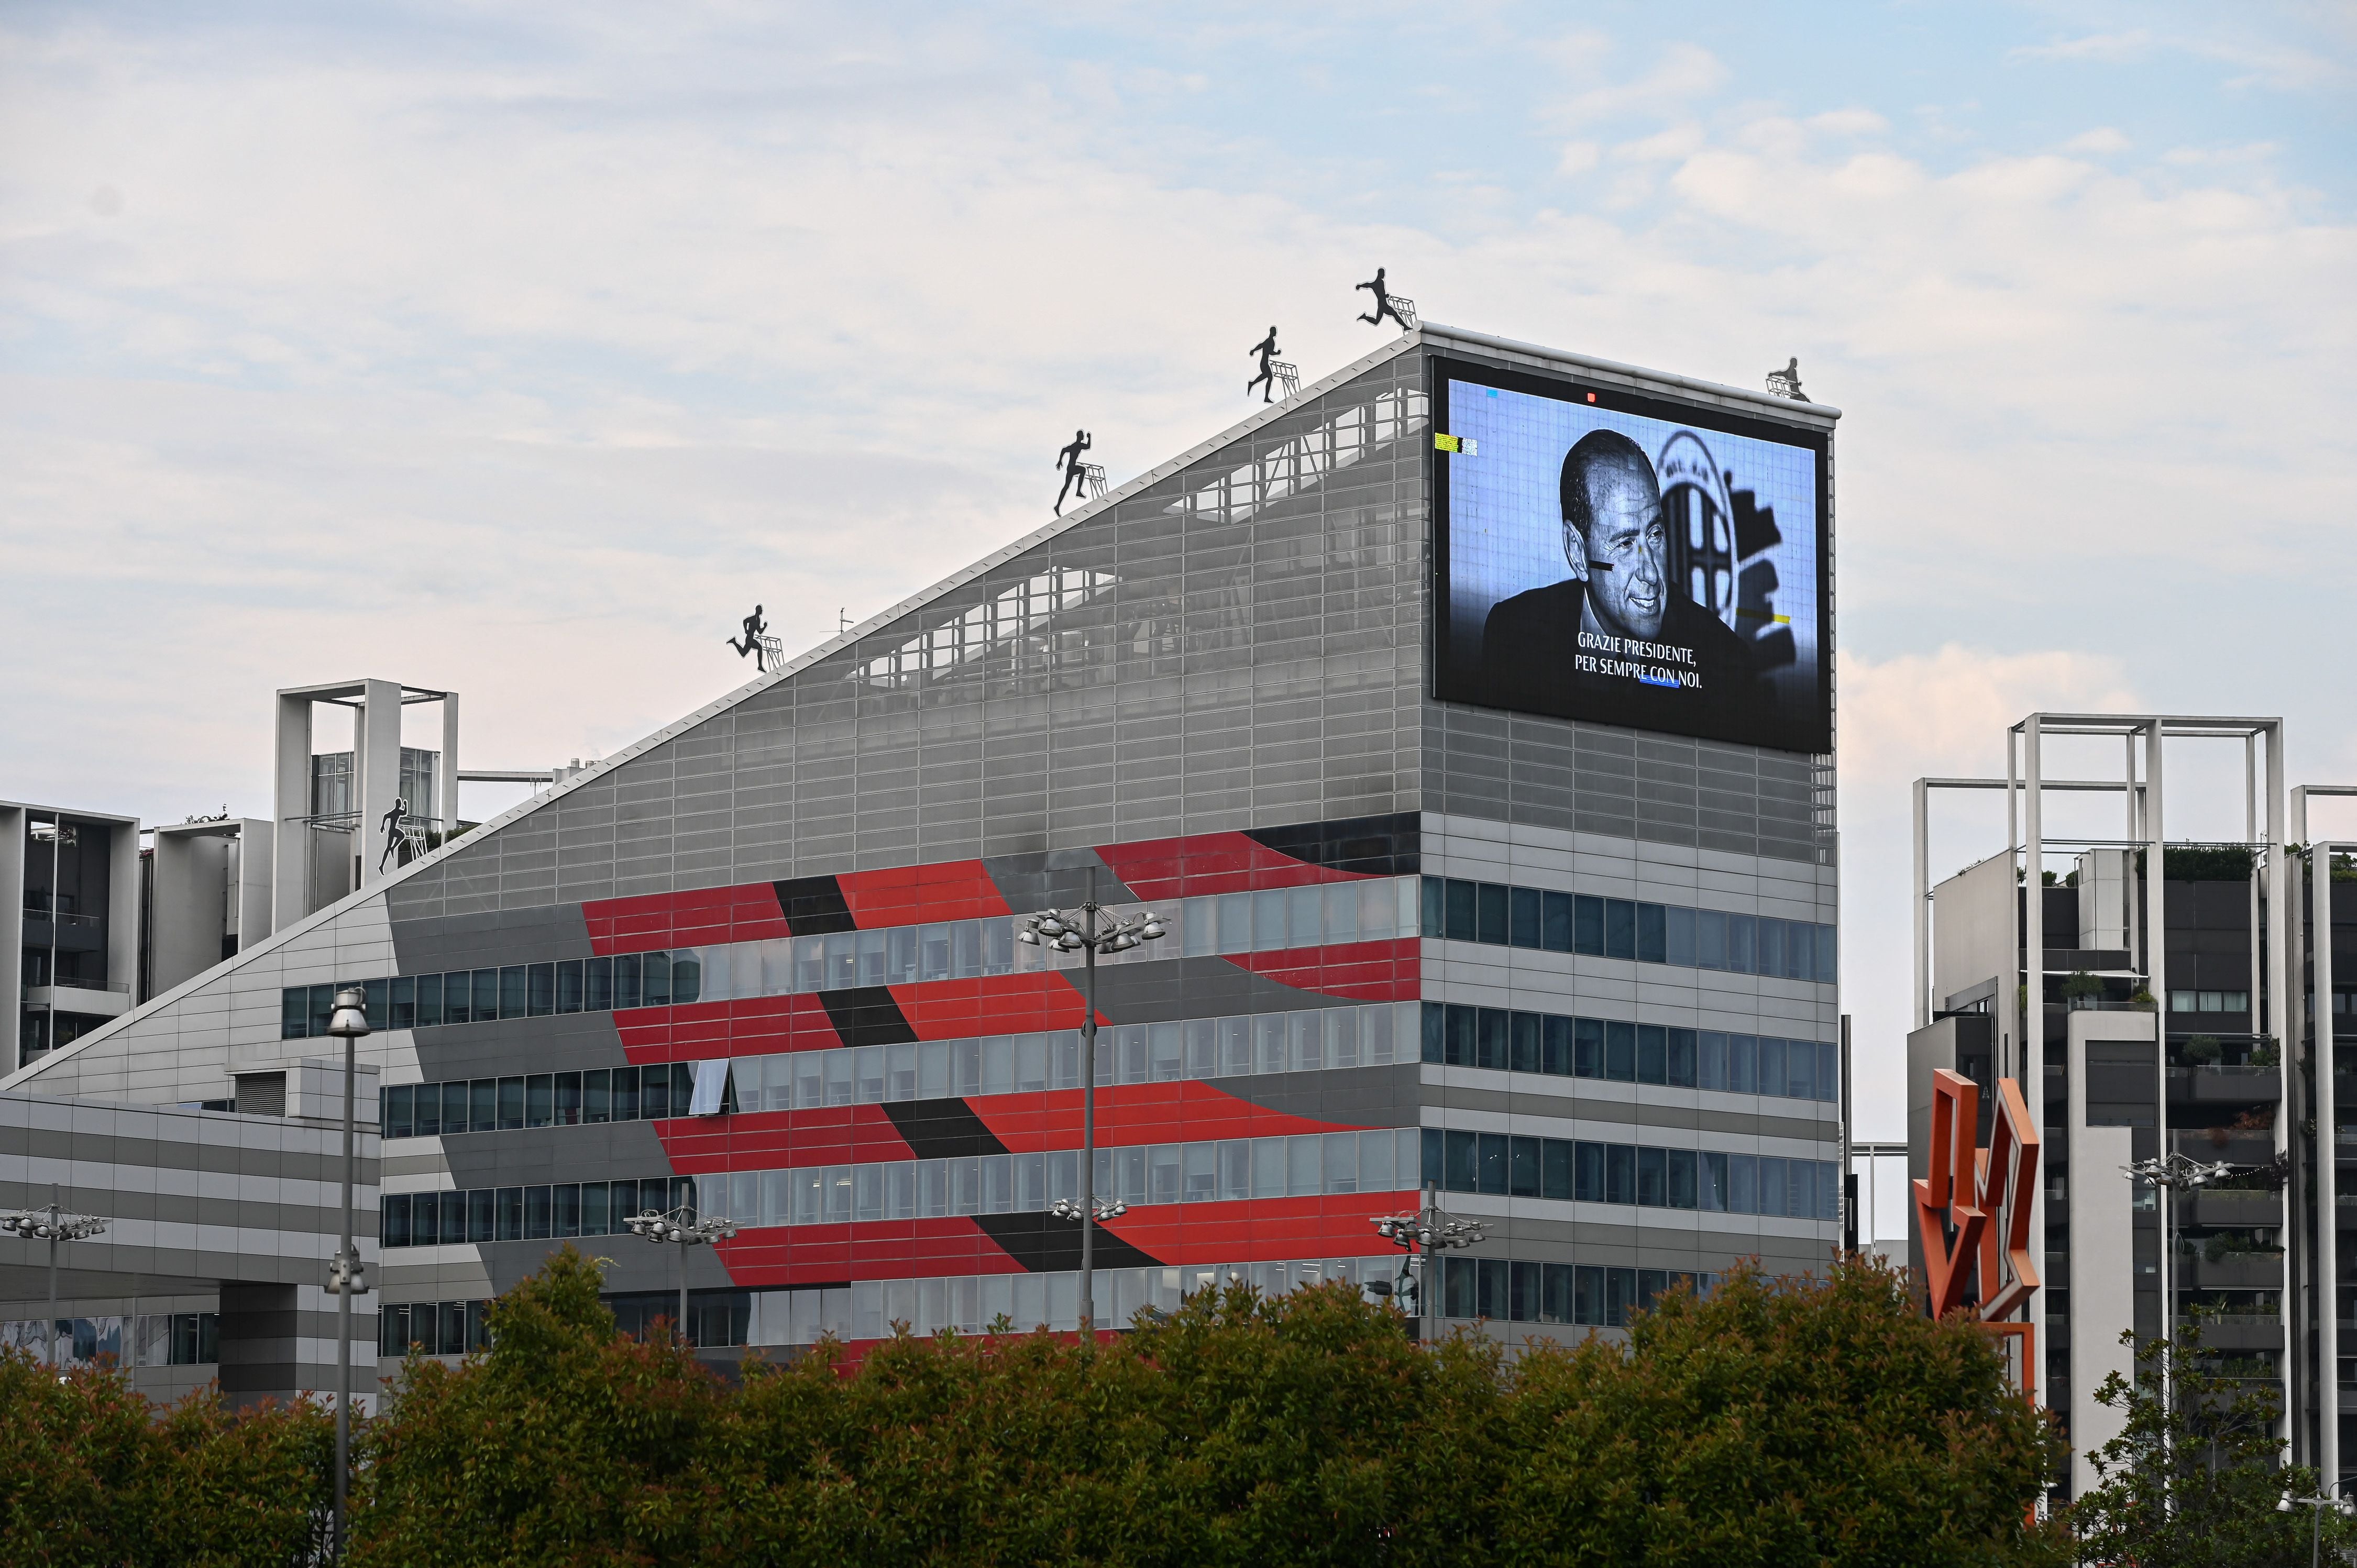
1946,712
1577,158
1685,77
2102,139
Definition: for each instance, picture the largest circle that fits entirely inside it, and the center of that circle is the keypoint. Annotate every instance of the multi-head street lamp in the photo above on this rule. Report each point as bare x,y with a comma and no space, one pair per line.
348,1021
1422,1236
1106,1208
52,1223
680,1227
1089,930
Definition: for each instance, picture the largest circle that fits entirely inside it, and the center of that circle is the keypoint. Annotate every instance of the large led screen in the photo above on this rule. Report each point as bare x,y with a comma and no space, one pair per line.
1630,561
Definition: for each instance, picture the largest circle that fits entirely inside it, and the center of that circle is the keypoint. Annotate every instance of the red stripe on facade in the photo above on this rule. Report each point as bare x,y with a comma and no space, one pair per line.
1389,971
917,895
1262,1231
994,1005
1211,863
748,1027
744,914
1266,1228
1130,1115
780,1140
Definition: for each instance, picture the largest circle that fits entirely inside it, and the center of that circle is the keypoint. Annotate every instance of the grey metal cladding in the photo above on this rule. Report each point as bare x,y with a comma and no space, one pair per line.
534,1157
1054,879
1165,991
1031,709
534,934
563,1042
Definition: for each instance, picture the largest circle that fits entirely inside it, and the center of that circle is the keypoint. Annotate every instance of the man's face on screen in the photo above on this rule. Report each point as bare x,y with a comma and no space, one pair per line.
1626,549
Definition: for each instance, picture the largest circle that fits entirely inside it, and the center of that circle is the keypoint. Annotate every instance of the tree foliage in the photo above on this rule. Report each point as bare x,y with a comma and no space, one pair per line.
2193,1478
90,1475
1782,1421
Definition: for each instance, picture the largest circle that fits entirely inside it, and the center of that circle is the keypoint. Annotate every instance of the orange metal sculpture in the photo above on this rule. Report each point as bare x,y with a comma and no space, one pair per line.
1983,1196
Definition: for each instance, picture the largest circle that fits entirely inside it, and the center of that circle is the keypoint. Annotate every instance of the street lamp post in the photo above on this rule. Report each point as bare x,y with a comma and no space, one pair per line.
1089,930
52,1224
348,1023
2316,1507
1425,1235
681,1227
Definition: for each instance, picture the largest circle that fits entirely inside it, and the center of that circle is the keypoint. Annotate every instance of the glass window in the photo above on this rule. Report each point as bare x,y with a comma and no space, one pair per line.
1235,922
1493,1303
568,1100
1341,914
1460,1291
1267,1166
1716,1199
1800,951
598,985
1801,1069
541,989
1826,969
1555,1054
514,993
1522,918
1377,1167
569,987
1590,1171
1587,926
1620,1051
627,969
1742,1065
654,980
1523,1167
1491,1039
376,997
425,1116
402,1006
1771,1186
482,1104
1619,1174
1771,946
1462,1021
323,1004
1436,907
1305,917
1490,1175
1652,1178
1268,919
1522,1295
1653,1054
1555,1172
394,1225
1304,1162
1554,922
429,1001
1710,938
1588,1049
1743,1184
626,1093
595,1216
1681,1059
487,994
1461,1162
1828,1072
1619,928
396,1116
1462,925
1740,954
1681,1178
1651,939
1525,1056
1678,940
1713,1065
538,1213
510,1103
1772,1066
683,1087
539,1099
293,1013
1491,920
567,1210
655,1093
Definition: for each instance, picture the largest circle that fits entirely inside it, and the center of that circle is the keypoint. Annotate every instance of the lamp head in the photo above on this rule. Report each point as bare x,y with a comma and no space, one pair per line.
1029,937
349,1021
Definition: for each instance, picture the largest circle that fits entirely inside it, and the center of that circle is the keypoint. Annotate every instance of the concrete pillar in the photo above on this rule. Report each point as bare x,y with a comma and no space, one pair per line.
376,773
291,802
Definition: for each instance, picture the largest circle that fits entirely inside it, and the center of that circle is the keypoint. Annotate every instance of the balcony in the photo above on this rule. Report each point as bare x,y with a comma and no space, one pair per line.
2235,1271
90,998
2224,1086
2236,1148
2239,1209
2242,1331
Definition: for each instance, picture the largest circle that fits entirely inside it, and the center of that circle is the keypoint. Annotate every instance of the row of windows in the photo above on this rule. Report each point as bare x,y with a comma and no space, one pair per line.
1271,919
435,1327
1706,1180
536,1099
1500,916
524,1213
2208,1000
138,1339
1309,1041
1513,1291
1612,1049
1308,1164
959,949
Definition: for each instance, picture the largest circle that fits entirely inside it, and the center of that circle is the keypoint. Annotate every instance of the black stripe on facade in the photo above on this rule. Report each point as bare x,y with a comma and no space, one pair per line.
866,1015
941,1129
1044,1244
1370,846
814,906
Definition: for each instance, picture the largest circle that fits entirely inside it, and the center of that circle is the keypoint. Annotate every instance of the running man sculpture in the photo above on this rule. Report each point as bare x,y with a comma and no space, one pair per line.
1267,350
1075,471
1786,383
395,843
1382,303
754,643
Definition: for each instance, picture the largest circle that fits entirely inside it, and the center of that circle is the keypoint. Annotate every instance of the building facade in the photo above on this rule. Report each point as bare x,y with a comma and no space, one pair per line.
70,925
2202,1044
1576,974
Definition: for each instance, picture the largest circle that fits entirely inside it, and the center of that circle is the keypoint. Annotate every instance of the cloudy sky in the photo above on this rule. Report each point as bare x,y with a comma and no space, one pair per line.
511,347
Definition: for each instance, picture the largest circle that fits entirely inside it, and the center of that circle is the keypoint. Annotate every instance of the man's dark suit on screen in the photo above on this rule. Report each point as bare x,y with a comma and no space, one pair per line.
1529,643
